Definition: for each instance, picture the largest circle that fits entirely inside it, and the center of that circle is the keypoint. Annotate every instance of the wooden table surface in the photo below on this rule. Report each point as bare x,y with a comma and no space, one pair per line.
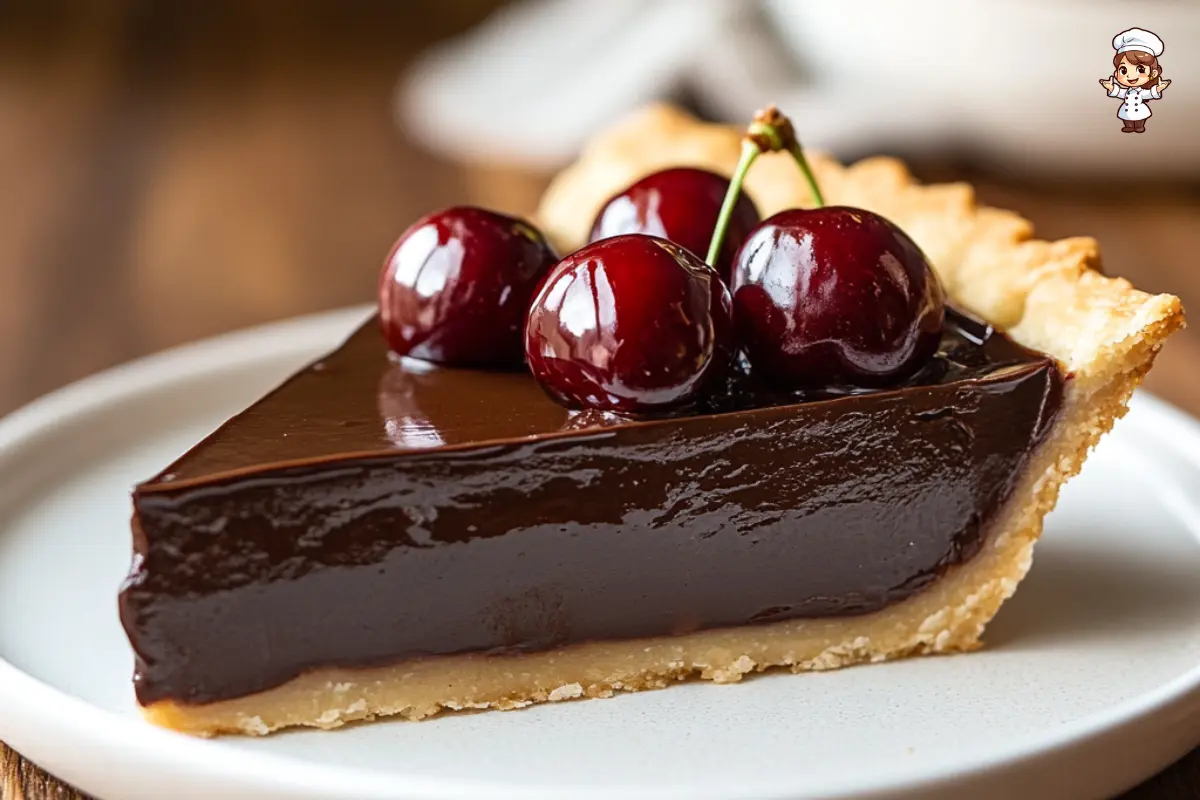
172,171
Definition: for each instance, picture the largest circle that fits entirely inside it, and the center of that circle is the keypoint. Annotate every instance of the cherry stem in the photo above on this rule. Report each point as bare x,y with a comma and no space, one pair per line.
769,132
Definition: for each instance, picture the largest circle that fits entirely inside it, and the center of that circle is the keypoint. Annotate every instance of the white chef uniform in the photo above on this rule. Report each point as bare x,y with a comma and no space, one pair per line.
1135,107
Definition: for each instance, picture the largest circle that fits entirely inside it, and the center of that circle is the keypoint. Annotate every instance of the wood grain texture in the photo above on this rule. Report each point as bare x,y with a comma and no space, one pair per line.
171,171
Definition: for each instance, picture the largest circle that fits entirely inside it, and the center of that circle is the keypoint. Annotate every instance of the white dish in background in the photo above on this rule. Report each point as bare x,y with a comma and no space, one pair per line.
1090,683
538,77
1012,83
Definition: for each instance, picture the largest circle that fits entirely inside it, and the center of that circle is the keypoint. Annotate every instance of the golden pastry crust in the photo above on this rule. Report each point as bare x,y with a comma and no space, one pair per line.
1046,295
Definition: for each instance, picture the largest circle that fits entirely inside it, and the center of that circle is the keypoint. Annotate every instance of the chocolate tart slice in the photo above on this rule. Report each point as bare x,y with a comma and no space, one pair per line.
378,536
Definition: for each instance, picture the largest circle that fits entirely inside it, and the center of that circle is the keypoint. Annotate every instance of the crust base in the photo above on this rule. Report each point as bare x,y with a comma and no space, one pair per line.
1046,295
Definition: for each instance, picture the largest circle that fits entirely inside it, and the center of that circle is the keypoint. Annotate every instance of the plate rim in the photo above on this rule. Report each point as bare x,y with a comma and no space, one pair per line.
42,722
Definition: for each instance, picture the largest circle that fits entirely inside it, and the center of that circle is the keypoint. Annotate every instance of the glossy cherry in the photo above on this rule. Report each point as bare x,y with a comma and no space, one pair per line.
681,205
835,296
630,324
456,285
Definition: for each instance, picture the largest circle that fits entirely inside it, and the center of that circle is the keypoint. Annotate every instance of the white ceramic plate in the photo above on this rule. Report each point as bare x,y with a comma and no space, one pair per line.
1091,681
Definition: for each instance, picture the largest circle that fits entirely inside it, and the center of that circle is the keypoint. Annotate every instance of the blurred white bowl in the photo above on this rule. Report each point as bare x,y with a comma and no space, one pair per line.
1018,79
539,77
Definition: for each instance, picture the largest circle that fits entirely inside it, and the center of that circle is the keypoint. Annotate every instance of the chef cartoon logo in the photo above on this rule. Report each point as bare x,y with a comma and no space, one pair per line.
1137,77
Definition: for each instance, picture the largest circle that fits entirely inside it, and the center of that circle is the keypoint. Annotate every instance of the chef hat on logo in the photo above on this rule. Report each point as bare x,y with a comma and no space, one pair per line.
1138,39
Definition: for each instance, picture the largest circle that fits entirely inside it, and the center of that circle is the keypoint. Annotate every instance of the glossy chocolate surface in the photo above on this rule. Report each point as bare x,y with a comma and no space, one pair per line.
369,511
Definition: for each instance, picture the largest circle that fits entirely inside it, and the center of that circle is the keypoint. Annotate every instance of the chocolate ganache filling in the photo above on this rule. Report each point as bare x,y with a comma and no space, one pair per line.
372,510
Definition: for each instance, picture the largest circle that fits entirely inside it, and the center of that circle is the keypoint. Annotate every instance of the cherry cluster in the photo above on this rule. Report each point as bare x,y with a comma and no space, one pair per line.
637,322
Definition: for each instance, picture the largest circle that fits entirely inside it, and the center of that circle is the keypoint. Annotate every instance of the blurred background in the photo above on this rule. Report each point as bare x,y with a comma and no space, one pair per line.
171,170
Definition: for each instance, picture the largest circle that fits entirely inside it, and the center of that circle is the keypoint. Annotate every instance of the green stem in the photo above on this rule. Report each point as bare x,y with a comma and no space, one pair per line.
770,131
798,154
750,152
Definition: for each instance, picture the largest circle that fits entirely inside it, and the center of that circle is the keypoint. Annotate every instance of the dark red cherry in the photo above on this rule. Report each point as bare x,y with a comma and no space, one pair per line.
680,205
629,324
456,285
835,296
